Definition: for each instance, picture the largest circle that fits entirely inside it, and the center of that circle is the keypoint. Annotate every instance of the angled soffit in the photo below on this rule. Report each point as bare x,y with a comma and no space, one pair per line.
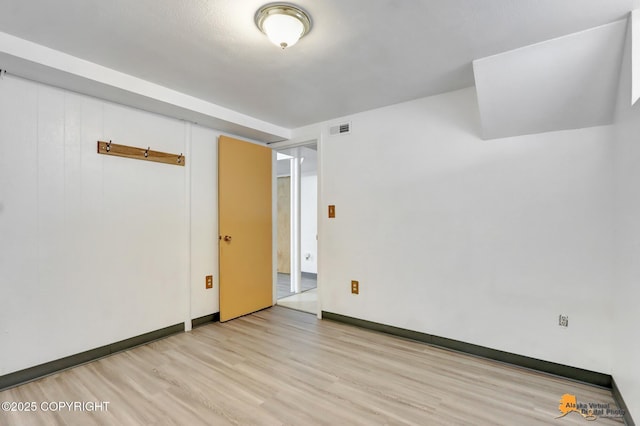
568,82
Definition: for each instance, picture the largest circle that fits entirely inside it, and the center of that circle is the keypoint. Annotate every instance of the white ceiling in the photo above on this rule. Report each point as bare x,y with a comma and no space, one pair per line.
358,56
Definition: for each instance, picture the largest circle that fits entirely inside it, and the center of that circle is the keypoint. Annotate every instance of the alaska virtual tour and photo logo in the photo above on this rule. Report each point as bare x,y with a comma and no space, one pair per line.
590,410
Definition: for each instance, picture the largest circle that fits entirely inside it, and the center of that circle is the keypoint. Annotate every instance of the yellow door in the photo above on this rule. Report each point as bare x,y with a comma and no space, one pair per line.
244,207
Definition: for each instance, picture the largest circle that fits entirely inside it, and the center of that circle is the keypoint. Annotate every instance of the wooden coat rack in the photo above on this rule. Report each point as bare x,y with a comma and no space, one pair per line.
147,154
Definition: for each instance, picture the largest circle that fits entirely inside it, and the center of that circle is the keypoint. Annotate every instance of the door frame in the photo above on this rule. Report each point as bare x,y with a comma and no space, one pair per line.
307,139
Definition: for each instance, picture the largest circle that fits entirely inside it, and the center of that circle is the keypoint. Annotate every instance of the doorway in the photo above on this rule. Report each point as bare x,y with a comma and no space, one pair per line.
297,221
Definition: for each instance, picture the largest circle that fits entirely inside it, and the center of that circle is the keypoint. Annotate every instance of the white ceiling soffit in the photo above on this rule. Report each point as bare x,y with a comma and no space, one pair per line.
566,83
35,62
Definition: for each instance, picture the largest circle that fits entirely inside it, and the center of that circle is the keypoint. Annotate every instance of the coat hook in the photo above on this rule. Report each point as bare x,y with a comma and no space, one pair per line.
180,158
108,146
146,152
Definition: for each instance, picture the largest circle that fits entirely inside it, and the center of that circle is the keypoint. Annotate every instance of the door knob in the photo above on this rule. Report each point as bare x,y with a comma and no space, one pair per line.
227,238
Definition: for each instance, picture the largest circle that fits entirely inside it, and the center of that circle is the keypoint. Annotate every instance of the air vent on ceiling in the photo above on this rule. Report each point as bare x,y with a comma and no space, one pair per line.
340,129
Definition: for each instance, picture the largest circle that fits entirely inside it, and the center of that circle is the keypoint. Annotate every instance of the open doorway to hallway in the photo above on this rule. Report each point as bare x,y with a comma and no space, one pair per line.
297,241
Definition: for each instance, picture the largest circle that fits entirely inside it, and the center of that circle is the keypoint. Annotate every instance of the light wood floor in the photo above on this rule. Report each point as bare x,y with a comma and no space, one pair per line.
281,366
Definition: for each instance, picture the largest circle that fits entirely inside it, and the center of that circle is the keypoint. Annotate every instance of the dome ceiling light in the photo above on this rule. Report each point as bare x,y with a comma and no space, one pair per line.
284,24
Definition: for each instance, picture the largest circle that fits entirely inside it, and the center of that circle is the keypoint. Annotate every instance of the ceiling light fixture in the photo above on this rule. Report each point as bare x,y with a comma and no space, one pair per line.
283,23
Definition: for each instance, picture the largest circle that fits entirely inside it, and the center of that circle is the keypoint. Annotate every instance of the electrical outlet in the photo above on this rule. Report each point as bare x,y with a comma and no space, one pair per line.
209,281
355,287
563,320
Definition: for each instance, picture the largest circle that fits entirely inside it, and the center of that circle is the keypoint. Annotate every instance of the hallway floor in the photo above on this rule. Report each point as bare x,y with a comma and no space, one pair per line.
308,282
307,301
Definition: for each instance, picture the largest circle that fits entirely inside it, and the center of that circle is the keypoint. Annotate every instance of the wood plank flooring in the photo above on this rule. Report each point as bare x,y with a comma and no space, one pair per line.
280,366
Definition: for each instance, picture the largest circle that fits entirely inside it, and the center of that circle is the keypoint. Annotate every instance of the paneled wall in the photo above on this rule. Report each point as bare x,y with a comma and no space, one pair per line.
204,220
95,249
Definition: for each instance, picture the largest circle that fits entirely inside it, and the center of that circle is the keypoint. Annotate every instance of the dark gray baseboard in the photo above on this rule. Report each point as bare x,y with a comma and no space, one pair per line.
197,322
310,275
33,373
578,374
621,404
586,376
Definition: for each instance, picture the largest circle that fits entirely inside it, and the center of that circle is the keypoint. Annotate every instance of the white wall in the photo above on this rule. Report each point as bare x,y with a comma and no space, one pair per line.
204,221
95,249
481,241
309,222
626,291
